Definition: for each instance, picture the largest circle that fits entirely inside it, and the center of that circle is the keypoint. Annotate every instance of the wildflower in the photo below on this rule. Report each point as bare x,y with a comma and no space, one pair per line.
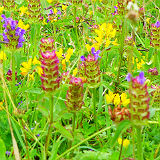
69,53
96,54
13,35
50,77
116,100
140,98
109,97
26,67
128,77
22,25
23,10
75,72
153,71
9,75
157,24
74,97
64,7
124,99
1,9
126,142
59,53
3,56
8,153
1,105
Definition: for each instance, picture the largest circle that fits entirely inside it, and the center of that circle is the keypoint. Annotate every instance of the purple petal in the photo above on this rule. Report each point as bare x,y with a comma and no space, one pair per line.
93,50
128,77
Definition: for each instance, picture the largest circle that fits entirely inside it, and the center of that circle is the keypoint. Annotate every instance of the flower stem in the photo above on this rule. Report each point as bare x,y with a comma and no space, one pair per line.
50,125
94,107
13,75
139,143
73,123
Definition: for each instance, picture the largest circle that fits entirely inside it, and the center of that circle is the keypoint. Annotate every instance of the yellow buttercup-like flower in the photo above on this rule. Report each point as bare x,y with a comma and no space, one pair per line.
109,97
126,142
116,100
23,10
69,53
124,99
59,53
26,67
64,7
22,25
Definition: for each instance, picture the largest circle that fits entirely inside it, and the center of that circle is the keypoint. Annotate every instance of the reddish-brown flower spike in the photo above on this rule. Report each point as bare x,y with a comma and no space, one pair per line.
139,107
47,44
9,75
8,4
34,8
155,35
74,98
92,70
119,114
50,77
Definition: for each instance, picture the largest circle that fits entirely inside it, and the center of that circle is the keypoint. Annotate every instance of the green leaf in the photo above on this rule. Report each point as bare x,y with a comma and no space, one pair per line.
121,127
2,150
63,131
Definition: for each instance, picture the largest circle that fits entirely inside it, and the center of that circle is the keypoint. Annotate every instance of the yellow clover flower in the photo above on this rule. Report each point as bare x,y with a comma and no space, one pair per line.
109,97
124,99
23,10
117,100
1,9
22,25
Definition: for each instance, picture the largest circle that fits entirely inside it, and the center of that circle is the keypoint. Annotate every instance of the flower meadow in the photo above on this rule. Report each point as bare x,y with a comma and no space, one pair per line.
80,80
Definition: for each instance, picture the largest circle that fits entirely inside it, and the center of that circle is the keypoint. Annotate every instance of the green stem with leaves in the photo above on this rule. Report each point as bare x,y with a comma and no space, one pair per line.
73,123
13,74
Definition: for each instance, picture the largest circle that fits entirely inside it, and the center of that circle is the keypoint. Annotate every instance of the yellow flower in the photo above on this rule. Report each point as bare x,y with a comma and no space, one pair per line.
109,97
44,21
115,42
1,9
69,53
2,55
107,43
31,76
75,72
64,64
1,104
55,10
39,70
22,25
124,99
49,1
27,66
88,47
126,142
148,20
23,10
116,100
36,61
59,53
64,7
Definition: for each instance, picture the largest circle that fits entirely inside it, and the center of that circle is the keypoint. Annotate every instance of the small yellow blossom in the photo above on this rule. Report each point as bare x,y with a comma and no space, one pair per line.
88,47
124,99
148,20
39,70
109,97
2,56
1,104
31,76
1,9
115,42
75,72
126,142
64,64
69,53
44,21
55,10
36,61
22,25
107,43
49,1
26,67
23,10
59,53
64,7
116,100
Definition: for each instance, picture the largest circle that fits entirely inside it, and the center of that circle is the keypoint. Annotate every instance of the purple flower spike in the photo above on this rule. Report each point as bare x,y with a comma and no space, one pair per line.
83,58
128,77
141,79
93,50
157,24
8,153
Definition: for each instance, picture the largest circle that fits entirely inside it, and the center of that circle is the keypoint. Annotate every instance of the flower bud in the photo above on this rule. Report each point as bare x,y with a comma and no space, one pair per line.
46,44
9,75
